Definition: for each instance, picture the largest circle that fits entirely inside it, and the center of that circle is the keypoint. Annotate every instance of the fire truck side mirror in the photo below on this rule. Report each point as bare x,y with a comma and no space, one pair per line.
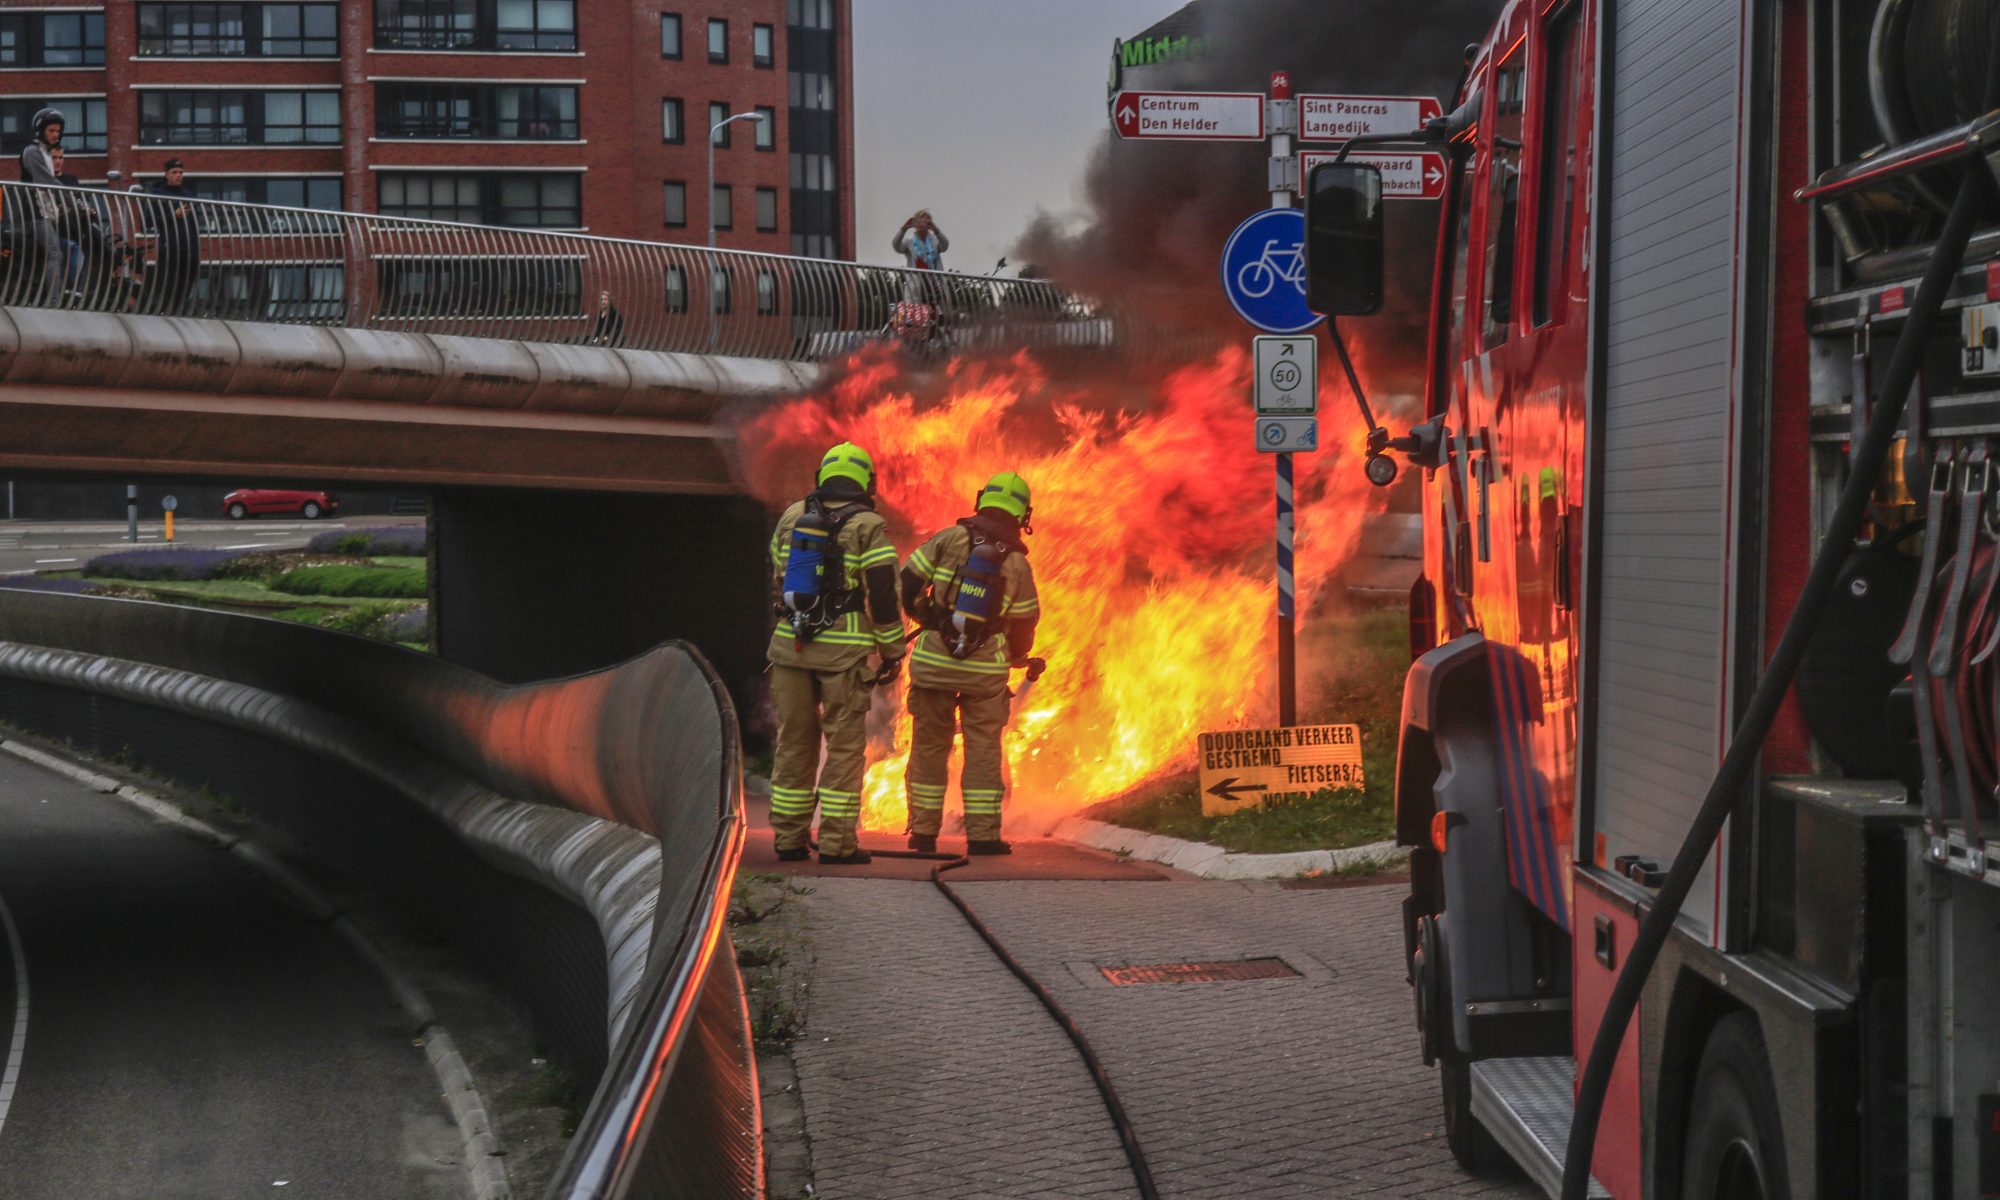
1344,239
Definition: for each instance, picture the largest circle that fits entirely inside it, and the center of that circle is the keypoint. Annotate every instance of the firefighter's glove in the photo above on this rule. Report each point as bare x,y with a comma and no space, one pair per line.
1035,668
886,674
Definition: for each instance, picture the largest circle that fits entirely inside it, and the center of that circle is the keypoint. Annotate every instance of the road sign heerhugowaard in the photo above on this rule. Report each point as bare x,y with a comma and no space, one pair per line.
1189,116
1337,118
1264,271
1244,767
1285,375
1412,175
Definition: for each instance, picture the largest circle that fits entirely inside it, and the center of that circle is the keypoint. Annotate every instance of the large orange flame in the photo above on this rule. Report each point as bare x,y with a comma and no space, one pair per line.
1153,548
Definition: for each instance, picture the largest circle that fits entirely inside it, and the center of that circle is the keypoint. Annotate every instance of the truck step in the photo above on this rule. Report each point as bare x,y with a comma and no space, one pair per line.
1526,1104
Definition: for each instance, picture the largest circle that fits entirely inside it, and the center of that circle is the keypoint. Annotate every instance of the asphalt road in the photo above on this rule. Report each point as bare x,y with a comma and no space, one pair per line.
189,1032
67,545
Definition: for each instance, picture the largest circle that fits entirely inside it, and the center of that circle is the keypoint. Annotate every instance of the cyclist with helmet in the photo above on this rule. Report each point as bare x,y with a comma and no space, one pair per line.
835,575
45,206
971,590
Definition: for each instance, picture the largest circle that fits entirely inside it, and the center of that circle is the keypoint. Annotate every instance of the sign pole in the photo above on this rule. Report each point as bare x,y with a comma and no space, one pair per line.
1281,149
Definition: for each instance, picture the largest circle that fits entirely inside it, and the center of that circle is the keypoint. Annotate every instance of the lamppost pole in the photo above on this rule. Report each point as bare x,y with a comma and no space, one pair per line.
710,202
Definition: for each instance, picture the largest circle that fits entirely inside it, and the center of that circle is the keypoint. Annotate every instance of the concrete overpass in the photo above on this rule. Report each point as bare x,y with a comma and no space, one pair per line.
563,399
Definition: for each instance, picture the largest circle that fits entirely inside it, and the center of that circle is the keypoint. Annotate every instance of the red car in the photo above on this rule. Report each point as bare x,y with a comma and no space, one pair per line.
255,502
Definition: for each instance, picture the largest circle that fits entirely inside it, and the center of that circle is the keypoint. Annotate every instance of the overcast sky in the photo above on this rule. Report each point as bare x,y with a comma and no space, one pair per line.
980,111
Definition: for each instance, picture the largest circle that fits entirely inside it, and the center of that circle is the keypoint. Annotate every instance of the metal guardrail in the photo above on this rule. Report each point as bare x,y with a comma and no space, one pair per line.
649,744
107,251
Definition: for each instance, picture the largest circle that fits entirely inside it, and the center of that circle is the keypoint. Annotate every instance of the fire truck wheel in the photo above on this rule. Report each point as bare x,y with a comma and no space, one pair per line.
1471,1145
1735,1149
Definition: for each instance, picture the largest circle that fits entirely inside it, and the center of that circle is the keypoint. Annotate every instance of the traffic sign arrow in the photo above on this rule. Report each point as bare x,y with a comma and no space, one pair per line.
1127,117
1189,116
1227,789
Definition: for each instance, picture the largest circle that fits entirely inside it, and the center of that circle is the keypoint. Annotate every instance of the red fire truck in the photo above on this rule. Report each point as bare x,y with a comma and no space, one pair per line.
1702,718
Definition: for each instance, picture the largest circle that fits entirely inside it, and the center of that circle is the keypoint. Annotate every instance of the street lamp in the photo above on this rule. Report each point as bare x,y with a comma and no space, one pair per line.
712,131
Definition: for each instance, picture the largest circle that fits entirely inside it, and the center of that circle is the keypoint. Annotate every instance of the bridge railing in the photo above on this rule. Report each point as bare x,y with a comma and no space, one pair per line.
106,251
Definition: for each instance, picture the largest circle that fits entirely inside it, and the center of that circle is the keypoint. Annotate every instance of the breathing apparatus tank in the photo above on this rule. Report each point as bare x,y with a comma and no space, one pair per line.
979,591
814,572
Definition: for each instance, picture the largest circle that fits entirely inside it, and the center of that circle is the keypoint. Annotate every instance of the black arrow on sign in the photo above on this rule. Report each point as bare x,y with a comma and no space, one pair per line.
1227,788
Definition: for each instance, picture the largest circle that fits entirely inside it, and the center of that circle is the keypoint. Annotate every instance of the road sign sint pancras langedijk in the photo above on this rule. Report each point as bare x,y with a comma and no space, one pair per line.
1245,767
1285,375
1189,116
1264,271
1406,175
1338,118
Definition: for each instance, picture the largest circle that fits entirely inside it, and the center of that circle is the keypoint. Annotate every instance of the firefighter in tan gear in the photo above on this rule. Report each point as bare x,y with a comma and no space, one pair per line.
835,575
970,588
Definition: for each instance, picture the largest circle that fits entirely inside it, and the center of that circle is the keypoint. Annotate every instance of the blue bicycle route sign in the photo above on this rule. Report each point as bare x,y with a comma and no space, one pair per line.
1264,271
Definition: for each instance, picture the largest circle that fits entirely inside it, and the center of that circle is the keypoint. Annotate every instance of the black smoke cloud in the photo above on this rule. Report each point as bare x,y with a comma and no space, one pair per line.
1156,214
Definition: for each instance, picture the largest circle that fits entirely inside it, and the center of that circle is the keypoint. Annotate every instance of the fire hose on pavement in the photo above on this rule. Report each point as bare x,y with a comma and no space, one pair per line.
1128,1136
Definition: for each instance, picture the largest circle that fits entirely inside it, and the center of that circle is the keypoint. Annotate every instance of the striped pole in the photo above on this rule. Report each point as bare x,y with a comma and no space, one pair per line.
1287,700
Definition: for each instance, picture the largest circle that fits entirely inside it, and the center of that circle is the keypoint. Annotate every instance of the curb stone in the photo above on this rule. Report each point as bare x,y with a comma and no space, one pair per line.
1213,862
483,1155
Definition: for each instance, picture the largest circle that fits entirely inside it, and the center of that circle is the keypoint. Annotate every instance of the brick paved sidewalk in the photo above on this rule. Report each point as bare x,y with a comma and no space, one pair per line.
928,1071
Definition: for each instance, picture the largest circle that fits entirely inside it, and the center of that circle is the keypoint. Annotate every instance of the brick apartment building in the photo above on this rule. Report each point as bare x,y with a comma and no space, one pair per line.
561,114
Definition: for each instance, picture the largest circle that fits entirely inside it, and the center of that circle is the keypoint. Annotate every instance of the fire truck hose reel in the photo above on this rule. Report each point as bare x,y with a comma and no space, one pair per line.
1869,453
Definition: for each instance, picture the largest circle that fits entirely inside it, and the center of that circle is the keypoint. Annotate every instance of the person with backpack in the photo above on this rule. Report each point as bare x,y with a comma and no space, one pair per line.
835,574
971,589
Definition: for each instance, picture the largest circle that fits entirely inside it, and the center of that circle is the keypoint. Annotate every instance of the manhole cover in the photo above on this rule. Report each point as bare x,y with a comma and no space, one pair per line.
1200,972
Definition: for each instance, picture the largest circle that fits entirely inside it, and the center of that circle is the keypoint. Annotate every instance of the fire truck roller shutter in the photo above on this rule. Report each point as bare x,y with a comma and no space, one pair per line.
1459,953
1669,421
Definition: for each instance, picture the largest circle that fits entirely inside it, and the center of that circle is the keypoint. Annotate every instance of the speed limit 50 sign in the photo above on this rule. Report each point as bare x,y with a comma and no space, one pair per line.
1286,376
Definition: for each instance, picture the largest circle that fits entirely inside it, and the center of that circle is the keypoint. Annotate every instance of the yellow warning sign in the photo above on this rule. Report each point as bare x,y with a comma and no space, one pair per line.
1242,767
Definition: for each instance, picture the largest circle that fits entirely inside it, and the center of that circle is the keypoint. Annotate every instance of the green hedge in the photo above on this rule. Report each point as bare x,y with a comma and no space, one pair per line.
379,583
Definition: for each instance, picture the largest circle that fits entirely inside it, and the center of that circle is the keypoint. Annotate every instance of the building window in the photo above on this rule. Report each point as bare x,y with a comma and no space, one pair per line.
767,210
761,52
810,90
718,40
84,122
767,292
52,39
671,129
534,24
529,199
300,31
718,112
319,192
813,172
473,110
718,290
670,35
677,289
246,118
677,205
767,129
809,14
722,211
288,192
518,25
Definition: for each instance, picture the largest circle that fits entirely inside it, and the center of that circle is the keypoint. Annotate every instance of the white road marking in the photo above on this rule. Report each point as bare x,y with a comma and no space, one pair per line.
43,562
12,1073
244,546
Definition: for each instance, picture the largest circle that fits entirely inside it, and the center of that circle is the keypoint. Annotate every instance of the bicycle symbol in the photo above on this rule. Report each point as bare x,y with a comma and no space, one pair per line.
1260,275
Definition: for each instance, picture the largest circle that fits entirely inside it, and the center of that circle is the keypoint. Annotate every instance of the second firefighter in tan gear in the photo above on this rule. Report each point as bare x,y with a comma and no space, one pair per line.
972,590
835,574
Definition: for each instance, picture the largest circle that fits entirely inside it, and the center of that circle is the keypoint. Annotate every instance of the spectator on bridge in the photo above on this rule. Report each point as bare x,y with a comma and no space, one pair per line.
922,245
610,330
178,254
37,167
73,225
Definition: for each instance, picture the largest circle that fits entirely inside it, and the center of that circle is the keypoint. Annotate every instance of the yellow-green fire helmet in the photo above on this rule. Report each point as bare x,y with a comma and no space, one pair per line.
847,461
1007,492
